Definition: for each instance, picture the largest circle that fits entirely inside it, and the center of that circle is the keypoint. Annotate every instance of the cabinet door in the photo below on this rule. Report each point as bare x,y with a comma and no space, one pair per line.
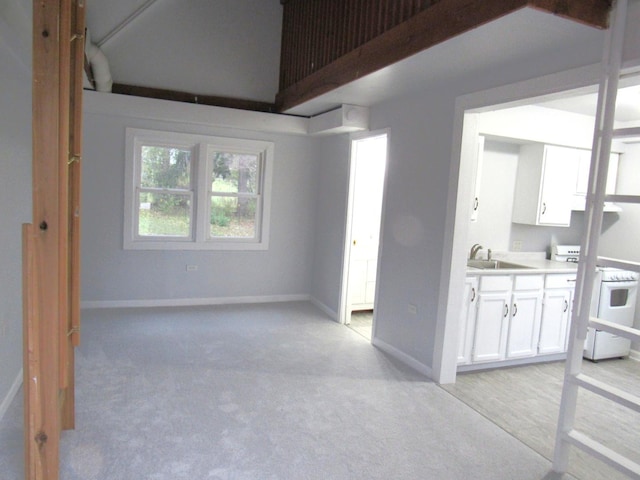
490,338
524,324
467,320
556,313
557,187
475,207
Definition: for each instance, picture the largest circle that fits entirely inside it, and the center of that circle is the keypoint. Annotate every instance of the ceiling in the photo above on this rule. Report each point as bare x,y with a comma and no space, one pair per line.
120,24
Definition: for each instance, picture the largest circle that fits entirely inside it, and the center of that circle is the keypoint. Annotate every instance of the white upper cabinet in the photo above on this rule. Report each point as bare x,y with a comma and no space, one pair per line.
475,208
545,185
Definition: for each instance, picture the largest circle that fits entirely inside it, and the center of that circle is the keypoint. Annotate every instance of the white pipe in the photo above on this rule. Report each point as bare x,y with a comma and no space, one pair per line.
99,65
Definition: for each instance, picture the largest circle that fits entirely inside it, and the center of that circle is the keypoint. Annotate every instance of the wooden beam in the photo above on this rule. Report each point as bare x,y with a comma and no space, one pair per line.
185,97
436,24
594,13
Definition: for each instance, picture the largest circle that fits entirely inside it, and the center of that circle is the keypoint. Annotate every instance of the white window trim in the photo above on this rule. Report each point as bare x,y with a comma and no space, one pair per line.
200,145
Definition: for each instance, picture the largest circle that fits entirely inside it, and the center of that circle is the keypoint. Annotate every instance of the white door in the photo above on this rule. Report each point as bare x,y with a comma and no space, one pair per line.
560,167
368,162
492,319
556,313
467,324
524,324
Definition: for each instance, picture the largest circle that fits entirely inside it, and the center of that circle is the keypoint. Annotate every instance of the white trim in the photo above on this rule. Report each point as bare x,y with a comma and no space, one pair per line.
11,394
403,357
200,146
635,355
169,111
346,252
190,302
325,309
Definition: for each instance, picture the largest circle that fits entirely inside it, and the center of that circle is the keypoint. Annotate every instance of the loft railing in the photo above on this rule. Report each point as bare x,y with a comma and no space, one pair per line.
329,43
317,32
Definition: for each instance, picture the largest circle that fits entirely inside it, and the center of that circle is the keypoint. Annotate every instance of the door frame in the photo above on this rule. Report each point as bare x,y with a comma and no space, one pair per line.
453,272
346,251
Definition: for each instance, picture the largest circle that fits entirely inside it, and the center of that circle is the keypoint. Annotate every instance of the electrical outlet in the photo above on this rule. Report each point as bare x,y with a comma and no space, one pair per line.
517,246
192,268
412,309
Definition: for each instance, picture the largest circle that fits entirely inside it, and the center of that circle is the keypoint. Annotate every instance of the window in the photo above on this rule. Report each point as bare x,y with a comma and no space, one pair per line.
196,192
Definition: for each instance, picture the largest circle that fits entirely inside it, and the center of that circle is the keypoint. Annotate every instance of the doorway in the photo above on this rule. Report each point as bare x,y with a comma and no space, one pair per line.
366,187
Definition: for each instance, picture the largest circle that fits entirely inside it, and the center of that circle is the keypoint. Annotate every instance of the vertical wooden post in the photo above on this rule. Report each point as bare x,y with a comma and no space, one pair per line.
71,332
48,351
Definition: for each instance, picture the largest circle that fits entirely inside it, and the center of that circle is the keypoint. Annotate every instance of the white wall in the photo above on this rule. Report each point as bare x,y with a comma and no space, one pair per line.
228,48
111,274
332,186
15,186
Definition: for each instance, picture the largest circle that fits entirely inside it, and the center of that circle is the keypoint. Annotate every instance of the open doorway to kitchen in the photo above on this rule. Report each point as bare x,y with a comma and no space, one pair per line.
524,398
366,187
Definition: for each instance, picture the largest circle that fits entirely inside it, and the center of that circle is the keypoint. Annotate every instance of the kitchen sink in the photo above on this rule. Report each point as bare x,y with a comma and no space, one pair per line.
493,264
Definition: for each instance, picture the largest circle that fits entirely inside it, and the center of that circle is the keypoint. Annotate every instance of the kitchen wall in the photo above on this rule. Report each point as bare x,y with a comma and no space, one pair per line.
15,185
112,276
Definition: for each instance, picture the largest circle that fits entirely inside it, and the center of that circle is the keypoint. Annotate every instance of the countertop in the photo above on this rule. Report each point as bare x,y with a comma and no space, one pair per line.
533,263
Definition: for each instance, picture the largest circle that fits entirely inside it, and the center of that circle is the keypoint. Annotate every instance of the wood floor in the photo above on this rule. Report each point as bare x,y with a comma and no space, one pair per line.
525,401
362,322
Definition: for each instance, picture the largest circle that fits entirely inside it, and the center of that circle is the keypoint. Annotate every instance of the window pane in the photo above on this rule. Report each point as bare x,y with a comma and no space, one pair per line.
233,217
164,214
166,167
234,173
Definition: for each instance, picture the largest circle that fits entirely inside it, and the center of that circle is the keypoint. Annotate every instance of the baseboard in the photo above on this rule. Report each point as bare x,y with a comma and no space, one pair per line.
11,394
403,357
192,302
634,355
325,309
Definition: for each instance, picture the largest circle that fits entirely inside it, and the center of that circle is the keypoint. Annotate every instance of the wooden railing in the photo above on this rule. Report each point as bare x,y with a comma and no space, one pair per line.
317,32
329,43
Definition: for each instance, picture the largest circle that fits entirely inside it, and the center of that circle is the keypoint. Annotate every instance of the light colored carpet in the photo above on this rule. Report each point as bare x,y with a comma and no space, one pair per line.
525,401
261,392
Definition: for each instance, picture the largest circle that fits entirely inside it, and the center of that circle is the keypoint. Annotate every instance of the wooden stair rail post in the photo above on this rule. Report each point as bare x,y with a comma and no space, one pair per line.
48,349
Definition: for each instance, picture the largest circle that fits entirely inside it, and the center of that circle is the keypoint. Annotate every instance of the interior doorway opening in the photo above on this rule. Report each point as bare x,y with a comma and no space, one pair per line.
362,240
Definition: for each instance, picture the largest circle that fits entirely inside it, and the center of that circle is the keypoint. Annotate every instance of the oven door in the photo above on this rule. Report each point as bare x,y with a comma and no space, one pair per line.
618,301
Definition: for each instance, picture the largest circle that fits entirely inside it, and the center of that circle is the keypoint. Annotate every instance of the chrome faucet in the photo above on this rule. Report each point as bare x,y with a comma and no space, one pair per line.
474,251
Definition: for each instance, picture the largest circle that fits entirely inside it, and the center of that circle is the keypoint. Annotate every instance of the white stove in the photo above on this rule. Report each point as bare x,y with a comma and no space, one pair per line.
614,299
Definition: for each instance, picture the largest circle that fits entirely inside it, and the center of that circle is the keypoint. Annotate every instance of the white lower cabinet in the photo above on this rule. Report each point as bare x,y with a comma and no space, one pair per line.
467,322
492,318
556,313
526,312
509,317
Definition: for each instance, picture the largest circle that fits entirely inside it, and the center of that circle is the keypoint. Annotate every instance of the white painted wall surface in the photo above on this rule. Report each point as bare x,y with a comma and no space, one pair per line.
111,274
228,48
15,185
331,185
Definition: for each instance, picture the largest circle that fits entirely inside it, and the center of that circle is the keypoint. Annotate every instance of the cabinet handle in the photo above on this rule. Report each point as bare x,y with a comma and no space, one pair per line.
544,208
566,305
515,309
506,310
475,204
473,294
